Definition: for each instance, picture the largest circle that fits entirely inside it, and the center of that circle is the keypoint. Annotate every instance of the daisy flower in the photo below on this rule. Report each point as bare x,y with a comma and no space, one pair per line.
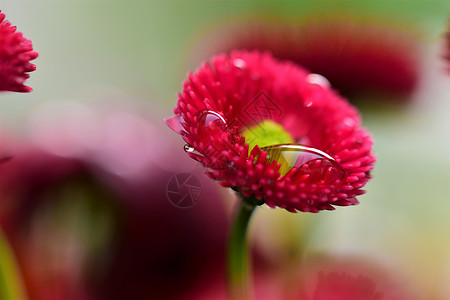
358,56
274,132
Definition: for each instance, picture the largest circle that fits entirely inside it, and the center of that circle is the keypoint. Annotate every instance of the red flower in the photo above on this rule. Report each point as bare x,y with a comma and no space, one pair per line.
356,56
339,286
323,277
227,97
15,55
447,46
109,169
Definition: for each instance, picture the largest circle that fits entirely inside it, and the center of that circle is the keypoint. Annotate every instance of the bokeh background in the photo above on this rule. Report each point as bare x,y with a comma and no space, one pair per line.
84,201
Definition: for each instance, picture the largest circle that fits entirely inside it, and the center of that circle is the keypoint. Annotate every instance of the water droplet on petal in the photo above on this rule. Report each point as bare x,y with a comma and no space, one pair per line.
196,155
349,122
239,63
175,123
316,165
211,122
188,148
210,125
318,79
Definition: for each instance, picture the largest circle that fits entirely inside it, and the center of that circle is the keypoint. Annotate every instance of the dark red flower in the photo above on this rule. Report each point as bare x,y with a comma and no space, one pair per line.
323,278
85,204
352,278
356,56
447,45
232,95
340,286
16,52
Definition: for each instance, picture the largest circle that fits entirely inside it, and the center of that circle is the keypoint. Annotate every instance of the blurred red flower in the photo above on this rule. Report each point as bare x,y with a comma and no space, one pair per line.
447,45
85,205
358,56
352,278
322,278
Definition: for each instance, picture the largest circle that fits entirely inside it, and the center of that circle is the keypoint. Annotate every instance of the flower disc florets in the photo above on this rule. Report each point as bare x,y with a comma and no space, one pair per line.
326,159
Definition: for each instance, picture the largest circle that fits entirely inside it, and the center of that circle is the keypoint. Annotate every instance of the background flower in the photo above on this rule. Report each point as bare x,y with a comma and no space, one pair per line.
447,44
86,225
359,56
320,277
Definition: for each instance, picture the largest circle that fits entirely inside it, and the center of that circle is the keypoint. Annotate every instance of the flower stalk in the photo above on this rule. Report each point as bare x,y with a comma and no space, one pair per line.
238,262
11,285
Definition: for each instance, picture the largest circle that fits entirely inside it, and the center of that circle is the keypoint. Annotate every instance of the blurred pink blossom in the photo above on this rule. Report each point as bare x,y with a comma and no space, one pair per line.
107,170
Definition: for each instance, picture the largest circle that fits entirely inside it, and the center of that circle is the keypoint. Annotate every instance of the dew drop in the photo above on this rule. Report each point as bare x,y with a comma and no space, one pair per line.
318,79
188,148
239,63
314,165
209,125
211,122
349,122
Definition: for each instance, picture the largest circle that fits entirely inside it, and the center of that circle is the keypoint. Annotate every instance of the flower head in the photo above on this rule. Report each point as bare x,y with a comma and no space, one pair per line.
447,46
233,110
16,52
358,57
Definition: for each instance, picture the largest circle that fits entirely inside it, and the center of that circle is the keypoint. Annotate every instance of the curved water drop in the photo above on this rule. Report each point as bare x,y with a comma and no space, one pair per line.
209,121
239,63
318,79
316,165
188,148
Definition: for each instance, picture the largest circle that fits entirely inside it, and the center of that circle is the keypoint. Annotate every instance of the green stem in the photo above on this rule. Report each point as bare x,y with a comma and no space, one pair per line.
237,271
11,286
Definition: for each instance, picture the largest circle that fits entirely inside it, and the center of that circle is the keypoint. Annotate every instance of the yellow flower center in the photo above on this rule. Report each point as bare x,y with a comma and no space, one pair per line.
266,133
